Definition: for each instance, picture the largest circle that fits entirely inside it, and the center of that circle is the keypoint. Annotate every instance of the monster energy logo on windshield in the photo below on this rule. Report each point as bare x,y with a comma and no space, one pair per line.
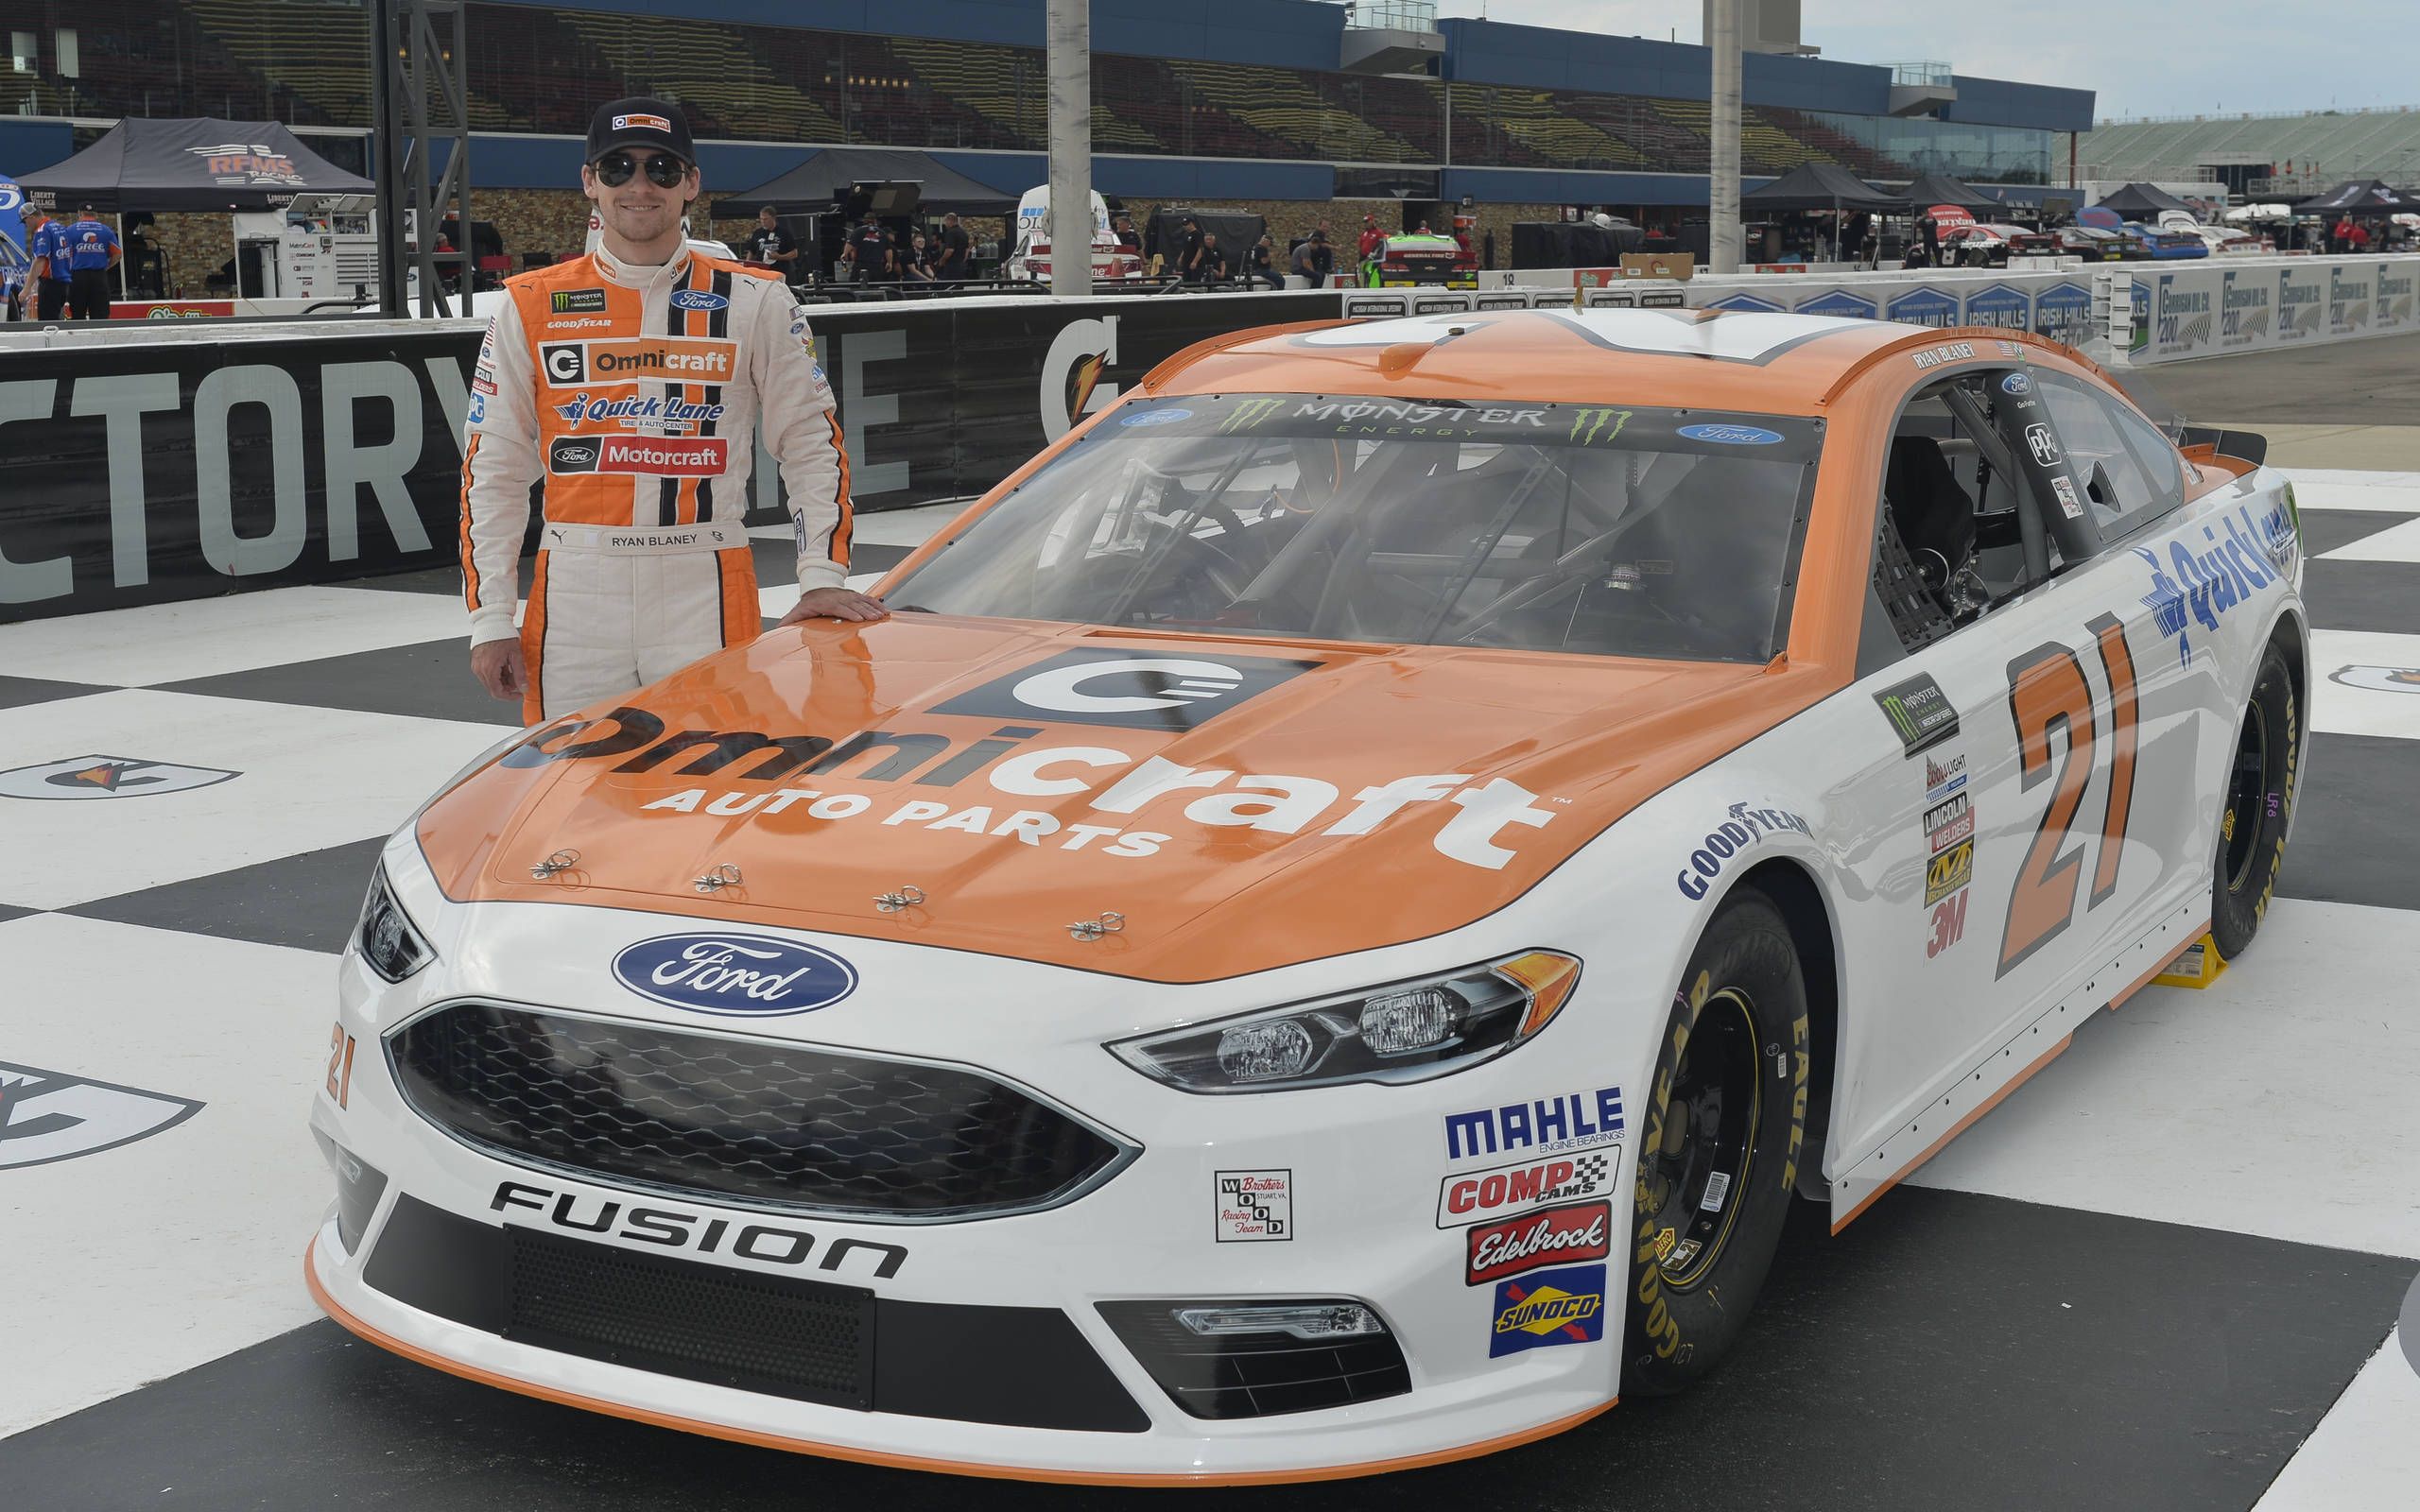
1249,414
1588,425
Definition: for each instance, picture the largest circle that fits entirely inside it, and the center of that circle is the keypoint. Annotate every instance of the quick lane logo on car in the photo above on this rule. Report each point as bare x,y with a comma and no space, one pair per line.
90,777
1729,435
1525,1185
1565,1306
1570,1122
1557,1236
2214,581
1108,686
742,976
1920,714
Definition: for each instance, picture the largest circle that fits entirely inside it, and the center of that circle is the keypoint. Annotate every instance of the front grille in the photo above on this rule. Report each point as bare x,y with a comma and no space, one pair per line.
803,1339
787,1125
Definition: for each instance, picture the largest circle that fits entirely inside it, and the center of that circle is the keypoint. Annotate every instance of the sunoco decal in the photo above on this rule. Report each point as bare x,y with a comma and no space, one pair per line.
742,976
1552,1307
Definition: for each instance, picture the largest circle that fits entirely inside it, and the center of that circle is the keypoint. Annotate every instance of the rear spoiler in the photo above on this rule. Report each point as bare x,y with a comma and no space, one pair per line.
2244,446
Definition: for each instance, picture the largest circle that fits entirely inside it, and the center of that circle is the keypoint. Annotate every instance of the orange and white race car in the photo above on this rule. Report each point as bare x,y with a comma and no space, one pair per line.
1330,926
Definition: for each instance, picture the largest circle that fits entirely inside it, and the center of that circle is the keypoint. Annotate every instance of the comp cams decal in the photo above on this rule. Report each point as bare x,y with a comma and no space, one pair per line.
1565,1306
1573,1121
741,975
1525,1186
1255,1207
1556,1236
91,777
50,1115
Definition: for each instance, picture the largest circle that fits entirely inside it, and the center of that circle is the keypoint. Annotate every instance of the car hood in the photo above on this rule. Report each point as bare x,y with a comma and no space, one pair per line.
1240,804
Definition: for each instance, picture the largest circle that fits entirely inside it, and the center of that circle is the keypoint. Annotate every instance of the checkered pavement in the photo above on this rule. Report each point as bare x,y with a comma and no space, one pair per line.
2162,1274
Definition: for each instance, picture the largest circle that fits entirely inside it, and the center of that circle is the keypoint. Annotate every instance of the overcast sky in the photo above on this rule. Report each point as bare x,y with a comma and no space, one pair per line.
2141,57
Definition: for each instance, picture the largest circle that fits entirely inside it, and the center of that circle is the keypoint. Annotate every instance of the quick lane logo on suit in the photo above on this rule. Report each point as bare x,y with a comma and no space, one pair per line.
1570,1122
49,1115
685,359
764,1242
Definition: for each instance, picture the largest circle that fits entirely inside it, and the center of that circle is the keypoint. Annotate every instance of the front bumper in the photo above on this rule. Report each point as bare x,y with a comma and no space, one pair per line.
1022,1373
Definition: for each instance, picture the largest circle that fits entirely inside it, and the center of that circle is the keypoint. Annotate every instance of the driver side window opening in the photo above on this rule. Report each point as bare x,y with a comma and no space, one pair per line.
1948,546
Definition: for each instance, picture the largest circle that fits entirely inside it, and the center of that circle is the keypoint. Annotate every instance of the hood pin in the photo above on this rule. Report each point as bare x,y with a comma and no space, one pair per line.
720,877
908,897
560,861
1092,929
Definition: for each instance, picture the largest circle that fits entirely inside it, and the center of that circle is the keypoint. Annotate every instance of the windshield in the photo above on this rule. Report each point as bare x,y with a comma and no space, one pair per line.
1635,531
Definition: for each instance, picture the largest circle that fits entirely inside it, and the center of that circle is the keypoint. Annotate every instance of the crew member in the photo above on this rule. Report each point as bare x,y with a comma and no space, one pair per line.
772,245
631,380
92,250
48,243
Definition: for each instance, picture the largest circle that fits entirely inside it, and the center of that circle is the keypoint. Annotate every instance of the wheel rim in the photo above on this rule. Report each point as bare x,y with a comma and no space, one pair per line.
1700,1176
2247,786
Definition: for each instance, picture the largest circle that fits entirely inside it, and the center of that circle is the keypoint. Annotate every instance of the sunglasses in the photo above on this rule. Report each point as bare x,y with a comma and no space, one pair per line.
614,169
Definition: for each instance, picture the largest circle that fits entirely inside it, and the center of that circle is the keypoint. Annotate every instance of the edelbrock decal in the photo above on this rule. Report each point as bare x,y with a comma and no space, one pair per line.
739,975
1556,1236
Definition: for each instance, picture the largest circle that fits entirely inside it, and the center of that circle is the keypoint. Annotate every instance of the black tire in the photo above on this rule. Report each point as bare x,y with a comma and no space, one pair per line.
1728,1099
2257,802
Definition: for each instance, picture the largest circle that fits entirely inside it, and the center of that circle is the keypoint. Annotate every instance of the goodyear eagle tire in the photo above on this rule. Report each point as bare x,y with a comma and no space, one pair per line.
1723,1122
2258,801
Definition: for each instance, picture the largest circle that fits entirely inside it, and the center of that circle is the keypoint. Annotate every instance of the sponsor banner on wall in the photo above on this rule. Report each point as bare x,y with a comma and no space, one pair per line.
1927,304
1845,303
2302,302
2185,313
2247,309
137,473
2003,305
2348,298
2392,296
2063,311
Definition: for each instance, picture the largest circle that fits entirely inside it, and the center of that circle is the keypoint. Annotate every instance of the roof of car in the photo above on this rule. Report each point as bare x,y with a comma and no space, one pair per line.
1744,360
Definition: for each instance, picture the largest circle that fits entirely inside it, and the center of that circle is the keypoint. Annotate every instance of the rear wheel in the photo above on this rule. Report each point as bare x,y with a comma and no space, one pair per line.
1725,1121
2259,800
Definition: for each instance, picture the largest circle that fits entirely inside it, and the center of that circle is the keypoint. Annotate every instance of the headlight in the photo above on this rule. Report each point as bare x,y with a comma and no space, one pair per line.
386,935
1406,1031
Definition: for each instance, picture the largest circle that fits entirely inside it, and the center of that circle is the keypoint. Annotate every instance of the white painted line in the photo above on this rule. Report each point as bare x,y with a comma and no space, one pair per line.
2363,1456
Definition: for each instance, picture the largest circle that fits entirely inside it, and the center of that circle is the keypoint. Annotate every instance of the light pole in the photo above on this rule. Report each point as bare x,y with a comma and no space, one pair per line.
1722,166
1068,30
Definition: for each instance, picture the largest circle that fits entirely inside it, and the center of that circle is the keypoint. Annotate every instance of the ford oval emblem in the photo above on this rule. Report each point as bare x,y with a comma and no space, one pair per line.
2016,383
1157,416
742,976
1729,435
699,300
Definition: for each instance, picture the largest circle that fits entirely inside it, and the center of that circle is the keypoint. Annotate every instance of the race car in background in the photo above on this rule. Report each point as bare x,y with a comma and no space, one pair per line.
2162,242
1416,261
1333,921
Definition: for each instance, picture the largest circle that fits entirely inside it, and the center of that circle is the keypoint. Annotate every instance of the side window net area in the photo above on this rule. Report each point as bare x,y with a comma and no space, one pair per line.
1947,543
1597,530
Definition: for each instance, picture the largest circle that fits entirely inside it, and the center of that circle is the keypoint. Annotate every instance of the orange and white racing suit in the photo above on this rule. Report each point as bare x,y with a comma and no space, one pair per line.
633,393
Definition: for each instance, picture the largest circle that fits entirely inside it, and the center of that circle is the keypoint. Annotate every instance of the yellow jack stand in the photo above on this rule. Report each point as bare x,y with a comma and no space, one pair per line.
2199,966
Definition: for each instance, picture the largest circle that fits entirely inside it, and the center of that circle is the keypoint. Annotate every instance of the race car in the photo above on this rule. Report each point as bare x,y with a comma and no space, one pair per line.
1333,921
1420,261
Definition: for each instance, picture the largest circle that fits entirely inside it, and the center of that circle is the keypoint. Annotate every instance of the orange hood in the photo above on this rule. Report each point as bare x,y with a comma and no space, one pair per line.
1269,802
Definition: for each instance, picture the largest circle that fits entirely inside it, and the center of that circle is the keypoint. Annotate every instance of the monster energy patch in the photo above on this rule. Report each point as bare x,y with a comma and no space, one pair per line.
580,302
1920,714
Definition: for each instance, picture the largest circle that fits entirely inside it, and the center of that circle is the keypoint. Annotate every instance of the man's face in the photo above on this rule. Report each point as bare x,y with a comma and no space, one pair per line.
638,209
765,218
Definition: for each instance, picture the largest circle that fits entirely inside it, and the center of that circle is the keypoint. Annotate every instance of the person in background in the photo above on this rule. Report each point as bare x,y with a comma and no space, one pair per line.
772,245
1315,259
2340,236
1260,265
47,284
869,256
1212,260
916,265
1372,238
1128,237
92,250
1188,251
952,260
2357,240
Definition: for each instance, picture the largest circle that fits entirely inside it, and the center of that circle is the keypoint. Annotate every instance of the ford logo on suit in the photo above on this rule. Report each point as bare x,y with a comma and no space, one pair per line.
740,975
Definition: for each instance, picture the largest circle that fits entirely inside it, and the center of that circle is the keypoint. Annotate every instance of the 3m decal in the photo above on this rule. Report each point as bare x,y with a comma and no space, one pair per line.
1948,925
1127,689
1526,1186
766,1244
1554,1236
1552,1307
579,301
94,777
2049,693
1920,714
2379,679
1743,829
1255,1206
1570,1122
50,1115
744,976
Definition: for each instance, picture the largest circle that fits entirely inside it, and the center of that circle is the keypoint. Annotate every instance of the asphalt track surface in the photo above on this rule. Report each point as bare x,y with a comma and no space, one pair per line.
2161,1275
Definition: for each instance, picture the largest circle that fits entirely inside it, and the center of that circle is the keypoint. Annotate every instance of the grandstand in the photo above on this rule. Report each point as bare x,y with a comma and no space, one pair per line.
2323,148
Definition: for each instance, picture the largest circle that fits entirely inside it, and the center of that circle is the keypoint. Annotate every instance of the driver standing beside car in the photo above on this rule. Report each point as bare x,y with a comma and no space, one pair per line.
631,380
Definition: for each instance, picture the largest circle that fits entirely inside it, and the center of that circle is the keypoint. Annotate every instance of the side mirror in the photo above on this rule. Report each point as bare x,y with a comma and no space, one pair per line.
2103,492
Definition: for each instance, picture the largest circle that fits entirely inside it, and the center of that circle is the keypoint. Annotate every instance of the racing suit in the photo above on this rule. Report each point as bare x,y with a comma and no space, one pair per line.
633,393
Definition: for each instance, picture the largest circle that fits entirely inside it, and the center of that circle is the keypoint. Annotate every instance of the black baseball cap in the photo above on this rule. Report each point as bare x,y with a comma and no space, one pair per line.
641,121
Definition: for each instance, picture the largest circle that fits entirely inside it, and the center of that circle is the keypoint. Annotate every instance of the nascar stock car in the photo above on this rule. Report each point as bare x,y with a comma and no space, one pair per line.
1329,926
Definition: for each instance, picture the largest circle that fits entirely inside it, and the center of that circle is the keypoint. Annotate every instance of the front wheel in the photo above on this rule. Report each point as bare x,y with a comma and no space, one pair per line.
2258,803
1725,1122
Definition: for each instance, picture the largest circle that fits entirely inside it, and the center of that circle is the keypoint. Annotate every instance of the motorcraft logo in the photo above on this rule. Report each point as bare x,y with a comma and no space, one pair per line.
50,1115
1557,1236
741,975
1920,714
1554,1307
655,412
666,457
2208,583
2243,309
2184,316
95,777
678,359
243,164
1549,1124
2348,301
1255,1207
2301,304
1120,688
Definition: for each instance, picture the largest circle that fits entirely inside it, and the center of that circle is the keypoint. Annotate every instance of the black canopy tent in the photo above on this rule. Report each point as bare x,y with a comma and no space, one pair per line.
1940,189
201,164
1822,186
809,187
2139,201
2359,196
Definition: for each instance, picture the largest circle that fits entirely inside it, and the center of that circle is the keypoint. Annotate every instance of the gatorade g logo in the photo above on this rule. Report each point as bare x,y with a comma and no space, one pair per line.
1130,689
